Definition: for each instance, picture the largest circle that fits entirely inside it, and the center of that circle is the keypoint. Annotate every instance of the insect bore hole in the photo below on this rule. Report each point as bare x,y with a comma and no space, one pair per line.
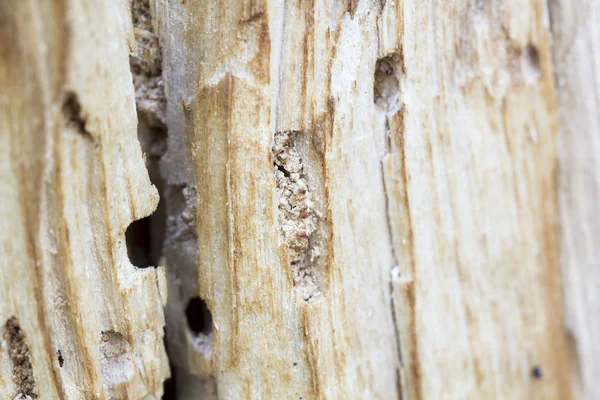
199,317
143,239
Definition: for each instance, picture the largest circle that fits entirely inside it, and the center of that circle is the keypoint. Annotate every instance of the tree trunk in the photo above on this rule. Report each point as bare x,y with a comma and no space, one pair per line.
358,199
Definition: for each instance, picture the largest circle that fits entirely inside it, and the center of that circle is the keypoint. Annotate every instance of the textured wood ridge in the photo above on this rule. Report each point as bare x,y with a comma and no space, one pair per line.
72,179
260,70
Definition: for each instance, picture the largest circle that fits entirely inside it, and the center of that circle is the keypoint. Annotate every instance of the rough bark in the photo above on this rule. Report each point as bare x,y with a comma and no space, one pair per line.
358,200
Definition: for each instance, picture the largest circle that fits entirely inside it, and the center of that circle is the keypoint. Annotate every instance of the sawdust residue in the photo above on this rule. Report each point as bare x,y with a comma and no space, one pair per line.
19,355
146,66
298,218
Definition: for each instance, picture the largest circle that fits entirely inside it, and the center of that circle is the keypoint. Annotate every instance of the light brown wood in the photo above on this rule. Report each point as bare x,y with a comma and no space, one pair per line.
322,328
470,177
427,132
72,179
358,199
576,36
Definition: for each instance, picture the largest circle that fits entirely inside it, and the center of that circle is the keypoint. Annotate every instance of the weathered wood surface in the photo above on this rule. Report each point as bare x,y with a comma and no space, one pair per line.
427,139
322,327
471,180
576,43
358,200
72,179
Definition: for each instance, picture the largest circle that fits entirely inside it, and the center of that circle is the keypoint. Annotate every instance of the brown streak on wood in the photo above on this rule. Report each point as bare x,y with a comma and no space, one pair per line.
68,283
401,191
32,176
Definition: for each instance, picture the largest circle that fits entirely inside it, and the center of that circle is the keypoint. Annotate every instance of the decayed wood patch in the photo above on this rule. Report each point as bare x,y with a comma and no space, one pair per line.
18,352
298,216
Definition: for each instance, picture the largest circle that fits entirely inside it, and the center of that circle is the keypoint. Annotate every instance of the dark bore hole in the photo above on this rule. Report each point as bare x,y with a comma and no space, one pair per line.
71,110
198,316
531,57
536,372
144,243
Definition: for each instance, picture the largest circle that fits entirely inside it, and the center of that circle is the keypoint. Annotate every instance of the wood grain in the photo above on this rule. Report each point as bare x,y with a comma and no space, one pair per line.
575,37
360,199
470,177
432,128
72,180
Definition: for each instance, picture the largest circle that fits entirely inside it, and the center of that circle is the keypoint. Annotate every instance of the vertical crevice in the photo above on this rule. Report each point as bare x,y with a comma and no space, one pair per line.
169,236
394,273
387,97
146,237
